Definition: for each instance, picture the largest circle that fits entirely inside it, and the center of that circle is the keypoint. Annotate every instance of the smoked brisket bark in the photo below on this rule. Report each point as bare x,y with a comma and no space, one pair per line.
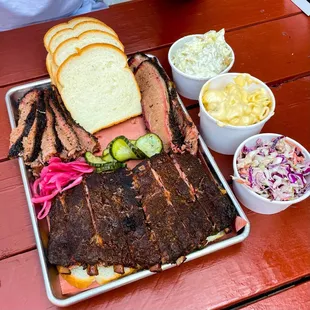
218,206
50,144
114,246
160,215
64,131
184,202
32,142
135,60
155,101
141,241
88,142
27,112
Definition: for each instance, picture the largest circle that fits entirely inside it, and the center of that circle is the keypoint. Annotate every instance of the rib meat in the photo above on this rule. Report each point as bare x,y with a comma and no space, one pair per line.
160,215
217,206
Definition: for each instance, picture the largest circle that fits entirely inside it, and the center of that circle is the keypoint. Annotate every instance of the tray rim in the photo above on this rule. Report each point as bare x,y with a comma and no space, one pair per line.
70,300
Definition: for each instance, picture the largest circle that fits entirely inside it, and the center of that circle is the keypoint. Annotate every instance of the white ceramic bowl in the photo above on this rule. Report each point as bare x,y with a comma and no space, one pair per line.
250,199
187,85
226,139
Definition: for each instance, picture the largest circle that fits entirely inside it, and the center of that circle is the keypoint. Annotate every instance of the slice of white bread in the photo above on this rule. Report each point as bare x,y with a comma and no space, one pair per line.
80,279
71,46
51,69
98,88
70,24
75,31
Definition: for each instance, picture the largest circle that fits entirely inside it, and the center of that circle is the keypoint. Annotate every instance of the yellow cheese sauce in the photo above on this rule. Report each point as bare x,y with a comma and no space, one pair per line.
238,104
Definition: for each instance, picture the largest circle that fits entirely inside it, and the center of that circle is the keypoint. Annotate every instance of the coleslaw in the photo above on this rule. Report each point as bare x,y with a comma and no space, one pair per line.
275,170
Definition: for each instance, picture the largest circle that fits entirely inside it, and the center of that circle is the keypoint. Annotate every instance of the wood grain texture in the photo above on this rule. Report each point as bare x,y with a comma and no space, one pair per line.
275,253
16,233
297,297
140,25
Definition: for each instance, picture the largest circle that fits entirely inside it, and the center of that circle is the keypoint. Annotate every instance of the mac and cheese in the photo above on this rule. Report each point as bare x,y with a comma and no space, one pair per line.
239,103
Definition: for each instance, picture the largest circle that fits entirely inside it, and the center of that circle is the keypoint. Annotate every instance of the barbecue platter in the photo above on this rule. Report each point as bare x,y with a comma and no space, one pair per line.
119,203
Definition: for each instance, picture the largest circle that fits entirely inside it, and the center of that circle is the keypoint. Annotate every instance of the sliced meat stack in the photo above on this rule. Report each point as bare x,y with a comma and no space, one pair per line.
46,129
158,213
161,108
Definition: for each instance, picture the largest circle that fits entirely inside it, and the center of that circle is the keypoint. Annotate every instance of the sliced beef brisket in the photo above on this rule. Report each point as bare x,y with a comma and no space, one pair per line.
32,142
65,132
27,113
88,142
135,60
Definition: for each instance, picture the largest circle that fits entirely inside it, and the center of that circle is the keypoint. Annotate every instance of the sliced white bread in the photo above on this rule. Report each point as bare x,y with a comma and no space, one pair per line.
98,88
70,24
75,31
71,46
51,68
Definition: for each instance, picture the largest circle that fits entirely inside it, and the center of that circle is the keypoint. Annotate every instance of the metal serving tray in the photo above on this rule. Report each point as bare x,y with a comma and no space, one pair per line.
50,274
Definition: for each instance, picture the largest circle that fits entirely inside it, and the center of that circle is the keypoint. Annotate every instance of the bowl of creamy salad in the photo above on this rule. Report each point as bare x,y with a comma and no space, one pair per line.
196,58
271,172
233,107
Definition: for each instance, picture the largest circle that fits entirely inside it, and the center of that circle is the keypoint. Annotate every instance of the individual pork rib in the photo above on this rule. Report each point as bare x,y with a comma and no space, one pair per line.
135,60
160,215
183,199
141,242
218,206
32,142
27,113
88,142
66,134
115,250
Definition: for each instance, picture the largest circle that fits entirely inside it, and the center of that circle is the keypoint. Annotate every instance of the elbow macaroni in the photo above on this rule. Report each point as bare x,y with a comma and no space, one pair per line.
237,104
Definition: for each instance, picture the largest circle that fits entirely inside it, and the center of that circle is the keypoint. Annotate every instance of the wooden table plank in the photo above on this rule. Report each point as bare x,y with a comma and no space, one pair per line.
141,25
297,297
16,234
270,257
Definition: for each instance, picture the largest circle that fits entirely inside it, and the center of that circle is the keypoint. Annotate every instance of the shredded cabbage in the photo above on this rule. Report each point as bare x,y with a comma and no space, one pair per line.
275,170
56,178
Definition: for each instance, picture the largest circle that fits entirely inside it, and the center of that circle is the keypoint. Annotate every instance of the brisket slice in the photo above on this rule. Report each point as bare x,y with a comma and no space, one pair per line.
218,206
135,60
32,142
141,241
115,250
65,132
88,142
189,211
160,215
184,122
27,113
155,101
50,144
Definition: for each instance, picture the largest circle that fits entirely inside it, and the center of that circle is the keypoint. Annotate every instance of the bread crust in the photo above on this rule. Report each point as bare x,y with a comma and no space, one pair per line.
77,25
83,34
66,24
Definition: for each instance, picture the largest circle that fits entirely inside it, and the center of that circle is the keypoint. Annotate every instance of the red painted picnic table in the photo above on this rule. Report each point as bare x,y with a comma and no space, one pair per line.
271,42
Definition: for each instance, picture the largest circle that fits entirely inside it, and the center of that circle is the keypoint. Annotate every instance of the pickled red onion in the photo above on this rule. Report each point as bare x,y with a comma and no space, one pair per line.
56,178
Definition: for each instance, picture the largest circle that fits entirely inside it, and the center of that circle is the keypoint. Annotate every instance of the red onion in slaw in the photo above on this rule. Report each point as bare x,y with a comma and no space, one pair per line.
275,170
